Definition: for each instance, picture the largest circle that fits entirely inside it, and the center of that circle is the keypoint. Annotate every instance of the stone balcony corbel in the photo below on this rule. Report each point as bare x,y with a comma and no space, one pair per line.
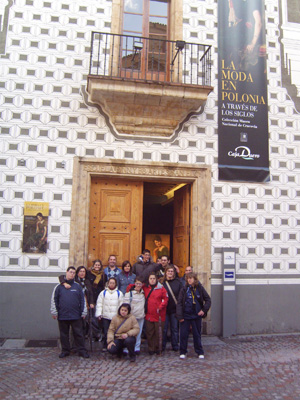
145,108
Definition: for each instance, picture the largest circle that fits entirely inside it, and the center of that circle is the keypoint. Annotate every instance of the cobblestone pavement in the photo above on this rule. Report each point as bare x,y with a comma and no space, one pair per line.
244,368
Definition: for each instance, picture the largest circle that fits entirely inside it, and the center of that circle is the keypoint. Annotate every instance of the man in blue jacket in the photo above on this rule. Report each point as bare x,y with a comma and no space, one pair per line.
68,307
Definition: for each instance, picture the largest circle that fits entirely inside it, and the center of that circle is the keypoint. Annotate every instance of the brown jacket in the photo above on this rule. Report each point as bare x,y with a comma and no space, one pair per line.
131,327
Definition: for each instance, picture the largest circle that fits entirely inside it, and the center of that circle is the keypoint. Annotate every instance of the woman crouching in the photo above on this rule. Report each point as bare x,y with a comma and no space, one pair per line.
122,332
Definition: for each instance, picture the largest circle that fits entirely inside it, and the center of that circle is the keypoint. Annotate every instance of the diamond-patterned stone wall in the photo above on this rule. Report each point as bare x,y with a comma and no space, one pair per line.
45,122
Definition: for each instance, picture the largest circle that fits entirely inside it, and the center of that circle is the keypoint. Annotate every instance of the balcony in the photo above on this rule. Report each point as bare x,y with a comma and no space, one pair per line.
147,86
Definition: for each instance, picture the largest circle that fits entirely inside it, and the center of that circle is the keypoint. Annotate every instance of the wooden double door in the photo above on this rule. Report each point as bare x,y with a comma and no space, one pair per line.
115,221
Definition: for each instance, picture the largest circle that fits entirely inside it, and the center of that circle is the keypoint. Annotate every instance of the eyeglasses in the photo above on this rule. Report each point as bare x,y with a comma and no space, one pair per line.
138,284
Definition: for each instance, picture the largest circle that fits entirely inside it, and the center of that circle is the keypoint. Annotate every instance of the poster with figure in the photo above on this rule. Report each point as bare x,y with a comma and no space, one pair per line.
158,244
35,231
243,108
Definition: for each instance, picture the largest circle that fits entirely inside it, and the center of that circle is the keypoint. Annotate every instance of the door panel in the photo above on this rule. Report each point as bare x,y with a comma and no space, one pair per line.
115,222
114,243
115,205
181,230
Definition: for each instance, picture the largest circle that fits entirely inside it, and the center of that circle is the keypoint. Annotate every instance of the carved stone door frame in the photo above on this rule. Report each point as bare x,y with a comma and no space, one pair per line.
199,177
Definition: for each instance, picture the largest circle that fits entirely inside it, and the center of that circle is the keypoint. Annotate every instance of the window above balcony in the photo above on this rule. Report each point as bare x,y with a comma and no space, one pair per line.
148,85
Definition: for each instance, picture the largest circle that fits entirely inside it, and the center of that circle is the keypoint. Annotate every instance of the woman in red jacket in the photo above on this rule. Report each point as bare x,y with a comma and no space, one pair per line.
155,309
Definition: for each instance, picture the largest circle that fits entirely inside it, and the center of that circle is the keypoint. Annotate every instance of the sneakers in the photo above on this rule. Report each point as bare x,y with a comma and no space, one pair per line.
183,356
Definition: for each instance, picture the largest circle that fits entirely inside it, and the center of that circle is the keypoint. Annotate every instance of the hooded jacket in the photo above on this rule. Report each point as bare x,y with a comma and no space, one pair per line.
130,326
142,270
108,303
157,303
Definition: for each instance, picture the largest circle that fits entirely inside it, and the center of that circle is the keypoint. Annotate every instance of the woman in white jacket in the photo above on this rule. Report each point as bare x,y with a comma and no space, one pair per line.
136,298
108,303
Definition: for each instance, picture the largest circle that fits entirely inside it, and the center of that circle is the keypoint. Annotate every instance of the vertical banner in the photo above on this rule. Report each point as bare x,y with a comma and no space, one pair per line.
35,231
242,106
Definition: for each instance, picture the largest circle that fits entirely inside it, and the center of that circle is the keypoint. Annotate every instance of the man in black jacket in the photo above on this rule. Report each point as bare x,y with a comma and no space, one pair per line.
193,305
144,266
68,307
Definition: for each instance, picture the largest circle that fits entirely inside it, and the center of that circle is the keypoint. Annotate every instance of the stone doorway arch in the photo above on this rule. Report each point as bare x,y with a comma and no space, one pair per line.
199,177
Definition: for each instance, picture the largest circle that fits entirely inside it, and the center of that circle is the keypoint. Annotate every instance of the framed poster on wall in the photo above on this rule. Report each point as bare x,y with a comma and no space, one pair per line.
35,230
158,244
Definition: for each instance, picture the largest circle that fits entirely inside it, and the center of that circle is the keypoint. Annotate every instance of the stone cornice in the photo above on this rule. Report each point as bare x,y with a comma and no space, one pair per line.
135,169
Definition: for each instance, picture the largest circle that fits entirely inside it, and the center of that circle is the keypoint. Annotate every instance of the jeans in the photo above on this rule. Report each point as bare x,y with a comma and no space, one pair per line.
138,338
184,335
129,342
173,321
105,325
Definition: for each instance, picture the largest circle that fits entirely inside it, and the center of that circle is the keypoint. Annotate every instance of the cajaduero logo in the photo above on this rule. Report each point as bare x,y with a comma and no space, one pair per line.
243,152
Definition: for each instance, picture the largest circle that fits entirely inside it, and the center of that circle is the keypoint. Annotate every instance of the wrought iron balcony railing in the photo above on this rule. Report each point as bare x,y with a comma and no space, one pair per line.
150,59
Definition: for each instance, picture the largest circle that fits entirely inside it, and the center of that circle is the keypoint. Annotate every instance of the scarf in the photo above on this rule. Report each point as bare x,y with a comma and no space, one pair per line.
193,293
81,282
98,276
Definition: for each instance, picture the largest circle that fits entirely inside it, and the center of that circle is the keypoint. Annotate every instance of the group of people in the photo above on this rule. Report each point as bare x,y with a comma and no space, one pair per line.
122,301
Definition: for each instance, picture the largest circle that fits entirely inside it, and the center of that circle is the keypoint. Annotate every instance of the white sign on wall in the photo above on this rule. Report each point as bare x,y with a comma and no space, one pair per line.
229,258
